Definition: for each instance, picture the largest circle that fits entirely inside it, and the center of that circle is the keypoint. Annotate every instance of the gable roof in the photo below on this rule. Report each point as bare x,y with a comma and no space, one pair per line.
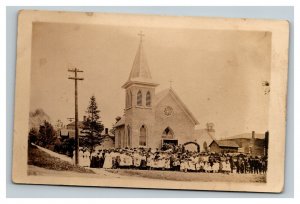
161,95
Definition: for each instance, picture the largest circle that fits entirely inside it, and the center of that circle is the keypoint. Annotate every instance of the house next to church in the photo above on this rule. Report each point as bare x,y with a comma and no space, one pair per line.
152,119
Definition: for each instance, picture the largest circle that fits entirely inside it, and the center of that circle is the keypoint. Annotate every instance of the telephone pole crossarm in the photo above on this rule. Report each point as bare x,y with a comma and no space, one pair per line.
75,78
74,70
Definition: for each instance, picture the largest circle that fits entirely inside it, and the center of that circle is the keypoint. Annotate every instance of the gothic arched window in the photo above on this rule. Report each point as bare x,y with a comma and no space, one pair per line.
168,133
127,100
142,141
148,99
130,99
139,98
128,136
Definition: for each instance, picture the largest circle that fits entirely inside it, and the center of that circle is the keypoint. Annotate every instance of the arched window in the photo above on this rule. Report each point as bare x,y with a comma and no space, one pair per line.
127,100
128,136
139,98
168,133
148,99
130,99
142,141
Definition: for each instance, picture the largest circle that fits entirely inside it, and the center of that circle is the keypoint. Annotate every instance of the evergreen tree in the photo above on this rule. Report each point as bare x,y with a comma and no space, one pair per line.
92,127
46,135
32,135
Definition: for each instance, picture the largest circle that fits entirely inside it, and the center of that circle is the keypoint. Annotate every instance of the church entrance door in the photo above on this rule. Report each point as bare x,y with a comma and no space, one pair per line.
170,141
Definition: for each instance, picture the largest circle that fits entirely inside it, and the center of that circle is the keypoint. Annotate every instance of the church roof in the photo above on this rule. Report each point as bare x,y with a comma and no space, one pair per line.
159,96
203,135
140,72
120,122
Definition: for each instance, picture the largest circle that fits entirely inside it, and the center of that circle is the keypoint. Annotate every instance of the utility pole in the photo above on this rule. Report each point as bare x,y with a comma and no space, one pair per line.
75,78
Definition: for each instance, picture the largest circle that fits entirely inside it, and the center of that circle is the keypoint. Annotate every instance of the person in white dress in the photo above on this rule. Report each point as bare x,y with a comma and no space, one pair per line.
184,165
207,167
107,161
128,160
136,159
86,159
216,167
226,167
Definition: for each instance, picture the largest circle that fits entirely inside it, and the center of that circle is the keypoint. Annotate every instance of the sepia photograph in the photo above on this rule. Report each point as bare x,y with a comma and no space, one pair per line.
144,101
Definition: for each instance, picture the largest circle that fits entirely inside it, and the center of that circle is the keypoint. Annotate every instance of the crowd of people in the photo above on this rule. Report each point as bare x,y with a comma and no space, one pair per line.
174,159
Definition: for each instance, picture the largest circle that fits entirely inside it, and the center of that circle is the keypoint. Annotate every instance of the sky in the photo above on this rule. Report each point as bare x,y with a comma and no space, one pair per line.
218,74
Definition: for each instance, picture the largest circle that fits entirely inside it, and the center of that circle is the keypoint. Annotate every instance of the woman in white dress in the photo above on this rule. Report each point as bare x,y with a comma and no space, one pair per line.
226,167
207,167
80,158
216,167
85,158
107,161
184,165
167,163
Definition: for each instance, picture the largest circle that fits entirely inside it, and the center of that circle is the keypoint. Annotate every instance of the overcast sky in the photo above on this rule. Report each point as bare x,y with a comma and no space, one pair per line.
217,74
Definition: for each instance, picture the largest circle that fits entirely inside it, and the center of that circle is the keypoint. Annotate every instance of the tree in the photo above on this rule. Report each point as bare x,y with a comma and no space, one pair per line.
92,127
46,135
32,136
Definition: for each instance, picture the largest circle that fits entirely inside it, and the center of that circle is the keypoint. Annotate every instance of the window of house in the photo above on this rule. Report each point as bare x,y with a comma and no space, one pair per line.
142,141
139,98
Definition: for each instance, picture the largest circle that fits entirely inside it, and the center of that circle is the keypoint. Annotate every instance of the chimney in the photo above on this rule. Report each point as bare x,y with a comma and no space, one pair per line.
253,134
84,118
106,131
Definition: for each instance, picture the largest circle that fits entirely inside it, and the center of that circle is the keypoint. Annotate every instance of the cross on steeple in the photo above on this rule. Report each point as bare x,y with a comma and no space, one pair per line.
141,34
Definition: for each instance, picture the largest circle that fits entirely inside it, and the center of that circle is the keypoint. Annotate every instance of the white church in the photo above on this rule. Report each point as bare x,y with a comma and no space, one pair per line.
152,119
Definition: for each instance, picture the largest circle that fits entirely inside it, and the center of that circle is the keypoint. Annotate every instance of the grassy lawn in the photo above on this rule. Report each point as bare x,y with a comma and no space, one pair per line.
42,159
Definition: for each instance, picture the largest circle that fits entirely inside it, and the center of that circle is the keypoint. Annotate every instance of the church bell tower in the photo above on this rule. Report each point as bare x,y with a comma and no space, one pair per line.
139,96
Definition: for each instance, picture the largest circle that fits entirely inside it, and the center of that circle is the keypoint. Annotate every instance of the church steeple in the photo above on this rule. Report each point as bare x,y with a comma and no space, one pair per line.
140,72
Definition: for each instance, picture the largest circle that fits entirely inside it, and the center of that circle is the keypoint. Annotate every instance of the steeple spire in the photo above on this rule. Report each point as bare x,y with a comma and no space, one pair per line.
140,72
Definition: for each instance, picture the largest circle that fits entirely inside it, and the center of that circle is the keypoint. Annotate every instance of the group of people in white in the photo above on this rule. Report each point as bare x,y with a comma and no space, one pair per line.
170,159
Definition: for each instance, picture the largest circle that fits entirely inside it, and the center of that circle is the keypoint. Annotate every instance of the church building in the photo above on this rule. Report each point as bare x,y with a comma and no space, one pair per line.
152,119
